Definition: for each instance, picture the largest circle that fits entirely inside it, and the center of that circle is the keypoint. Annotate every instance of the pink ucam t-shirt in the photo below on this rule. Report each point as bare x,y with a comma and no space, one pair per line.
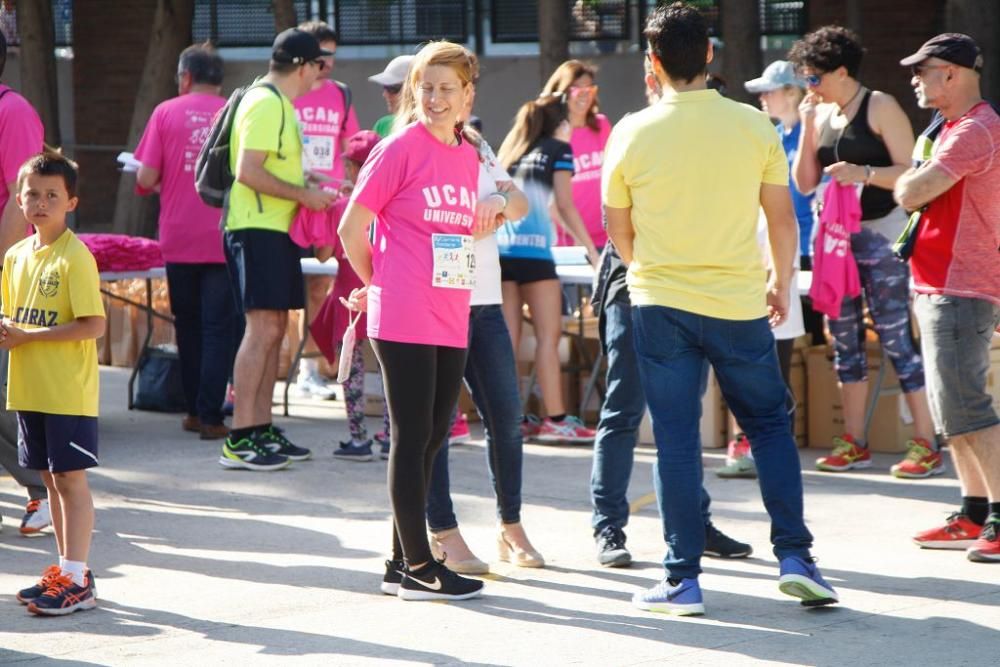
189,228
416,186
21,136
588,156
321,117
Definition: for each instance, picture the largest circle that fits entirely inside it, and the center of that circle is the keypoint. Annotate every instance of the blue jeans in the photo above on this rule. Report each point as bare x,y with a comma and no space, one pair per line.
491,376
621,415
672,347
201,300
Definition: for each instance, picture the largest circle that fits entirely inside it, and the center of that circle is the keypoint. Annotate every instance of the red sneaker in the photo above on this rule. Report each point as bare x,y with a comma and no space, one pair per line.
846,455
958,532
459,430
987,548
570,429
530,426
921,461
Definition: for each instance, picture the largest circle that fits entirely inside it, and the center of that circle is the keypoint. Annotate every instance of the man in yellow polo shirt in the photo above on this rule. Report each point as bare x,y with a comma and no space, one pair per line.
266,158
686,228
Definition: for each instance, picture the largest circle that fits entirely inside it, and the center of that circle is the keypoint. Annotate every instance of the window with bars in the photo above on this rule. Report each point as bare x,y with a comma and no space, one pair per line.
777,17
400,21
517,20
238,22
62,16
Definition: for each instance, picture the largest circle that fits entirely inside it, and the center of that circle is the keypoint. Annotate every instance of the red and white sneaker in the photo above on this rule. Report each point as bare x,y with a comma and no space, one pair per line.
987,548
530,426
846,455
921,461
570,429
459,430
958,532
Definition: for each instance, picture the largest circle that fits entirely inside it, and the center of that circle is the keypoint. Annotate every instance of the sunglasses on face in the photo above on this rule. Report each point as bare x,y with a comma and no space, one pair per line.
393,90
320,64
813,80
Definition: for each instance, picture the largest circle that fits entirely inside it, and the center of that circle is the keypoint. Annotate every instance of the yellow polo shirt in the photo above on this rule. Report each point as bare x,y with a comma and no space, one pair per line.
43,288
690,167
256,127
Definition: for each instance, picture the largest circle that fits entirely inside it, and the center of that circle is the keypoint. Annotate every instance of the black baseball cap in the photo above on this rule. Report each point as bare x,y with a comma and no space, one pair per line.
953,47
296,47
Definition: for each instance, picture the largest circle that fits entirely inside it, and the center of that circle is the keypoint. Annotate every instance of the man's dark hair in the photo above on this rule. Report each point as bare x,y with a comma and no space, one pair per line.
50,163
203,63
678,37
320,30
3,52
827,48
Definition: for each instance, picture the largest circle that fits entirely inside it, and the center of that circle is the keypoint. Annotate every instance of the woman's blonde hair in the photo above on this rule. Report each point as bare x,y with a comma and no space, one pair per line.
460,59
535,119
563,78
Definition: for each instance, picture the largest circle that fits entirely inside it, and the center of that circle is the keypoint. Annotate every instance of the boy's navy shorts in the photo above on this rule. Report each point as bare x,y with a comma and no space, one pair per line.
57,443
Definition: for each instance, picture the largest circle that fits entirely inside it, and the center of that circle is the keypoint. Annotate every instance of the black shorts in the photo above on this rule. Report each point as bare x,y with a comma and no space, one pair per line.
57,443
265,269
522,271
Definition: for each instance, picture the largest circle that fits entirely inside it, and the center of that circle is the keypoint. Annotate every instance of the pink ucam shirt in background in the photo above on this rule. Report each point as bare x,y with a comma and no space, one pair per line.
21,136
416,186
189,228
588,156
321,117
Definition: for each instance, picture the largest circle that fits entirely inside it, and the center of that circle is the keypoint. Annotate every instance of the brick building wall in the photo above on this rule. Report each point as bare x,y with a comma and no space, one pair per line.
107,66
889,30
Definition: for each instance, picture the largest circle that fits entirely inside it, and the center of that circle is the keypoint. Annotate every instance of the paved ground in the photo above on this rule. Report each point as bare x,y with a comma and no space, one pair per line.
197,565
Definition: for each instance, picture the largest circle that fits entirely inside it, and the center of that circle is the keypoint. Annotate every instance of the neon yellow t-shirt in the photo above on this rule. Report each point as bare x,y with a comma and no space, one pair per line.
48,287
690,167
256,127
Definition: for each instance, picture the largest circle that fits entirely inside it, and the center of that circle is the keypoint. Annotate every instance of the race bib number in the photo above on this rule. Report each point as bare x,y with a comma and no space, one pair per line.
454,261
318,151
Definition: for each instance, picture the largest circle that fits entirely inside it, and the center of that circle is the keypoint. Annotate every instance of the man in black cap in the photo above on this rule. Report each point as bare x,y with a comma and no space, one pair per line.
955,271
266,158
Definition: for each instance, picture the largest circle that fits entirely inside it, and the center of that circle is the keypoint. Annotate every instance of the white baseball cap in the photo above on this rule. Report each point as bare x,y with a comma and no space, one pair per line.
394,73
778,74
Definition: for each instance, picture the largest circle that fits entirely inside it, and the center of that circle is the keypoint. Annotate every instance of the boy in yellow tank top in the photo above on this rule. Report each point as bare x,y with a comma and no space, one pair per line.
52,314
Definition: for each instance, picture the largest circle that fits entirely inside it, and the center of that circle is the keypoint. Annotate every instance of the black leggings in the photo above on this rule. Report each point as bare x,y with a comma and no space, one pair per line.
422,383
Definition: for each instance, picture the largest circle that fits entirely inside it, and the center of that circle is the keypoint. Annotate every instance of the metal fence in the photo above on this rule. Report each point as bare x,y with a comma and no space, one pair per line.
398,22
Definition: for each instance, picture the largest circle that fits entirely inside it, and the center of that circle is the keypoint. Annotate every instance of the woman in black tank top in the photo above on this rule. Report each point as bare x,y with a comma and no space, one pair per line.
863,138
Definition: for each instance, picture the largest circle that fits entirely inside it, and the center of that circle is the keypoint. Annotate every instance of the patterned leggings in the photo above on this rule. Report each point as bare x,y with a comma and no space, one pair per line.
354,398
885,281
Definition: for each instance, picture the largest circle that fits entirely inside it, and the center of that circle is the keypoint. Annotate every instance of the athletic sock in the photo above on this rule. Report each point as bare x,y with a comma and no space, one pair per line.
238,434
75,569
976,508
557,418
62,563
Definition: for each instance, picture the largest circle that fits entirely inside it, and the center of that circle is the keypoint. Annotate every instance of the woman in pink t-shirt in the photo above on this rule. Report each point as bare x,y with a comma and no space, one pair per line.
420,187
577,81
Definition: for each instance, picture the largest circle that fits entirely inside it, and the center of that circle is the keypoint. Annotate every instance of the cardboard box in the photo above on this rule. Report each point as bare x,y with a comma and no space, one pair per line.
891,425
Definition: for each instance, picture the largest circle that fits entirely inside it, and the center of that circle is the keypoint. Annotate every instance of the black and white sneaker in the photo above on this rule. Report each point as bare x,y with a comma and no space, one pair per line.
273,438
611,551
720,545
394,570
436,582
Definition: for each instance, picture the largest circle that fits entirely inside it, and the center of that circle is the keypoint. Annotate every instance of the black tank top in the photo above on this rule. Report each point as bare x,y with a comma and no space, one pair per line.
857,144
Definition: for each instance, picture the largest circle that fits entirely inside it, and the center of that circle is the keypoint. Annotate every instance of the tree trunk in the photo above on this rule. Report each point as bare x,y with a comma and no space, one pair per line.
741,58
980,19
170,34
38,64
553,37
284,15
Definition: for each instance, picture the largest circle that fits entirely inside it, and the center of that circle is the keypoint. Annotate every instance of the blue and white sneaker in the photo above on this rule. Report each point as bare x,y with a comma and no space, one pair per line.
351,451
801,579
681,599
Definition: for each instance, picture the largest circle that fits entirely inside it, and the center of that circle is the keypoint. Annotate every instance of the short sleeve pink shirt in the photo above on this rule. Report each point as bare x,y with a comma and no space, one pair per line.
588,156
189,228
416,186
21,136
321,117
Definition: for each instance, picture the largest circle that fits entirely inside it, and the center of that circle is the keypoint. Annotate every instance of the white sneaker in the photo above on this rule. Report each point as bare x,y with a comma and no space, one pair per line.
36,517
313,385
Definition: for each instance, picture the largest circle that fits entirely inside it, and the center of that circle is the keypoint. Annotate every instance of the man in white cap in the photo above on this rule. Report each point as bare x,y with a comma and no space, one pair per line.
391,79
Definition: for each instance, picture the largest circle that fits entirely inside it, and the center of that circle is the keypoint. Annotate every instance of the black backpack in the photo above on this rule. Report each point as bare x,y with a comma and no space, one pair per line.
213,177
